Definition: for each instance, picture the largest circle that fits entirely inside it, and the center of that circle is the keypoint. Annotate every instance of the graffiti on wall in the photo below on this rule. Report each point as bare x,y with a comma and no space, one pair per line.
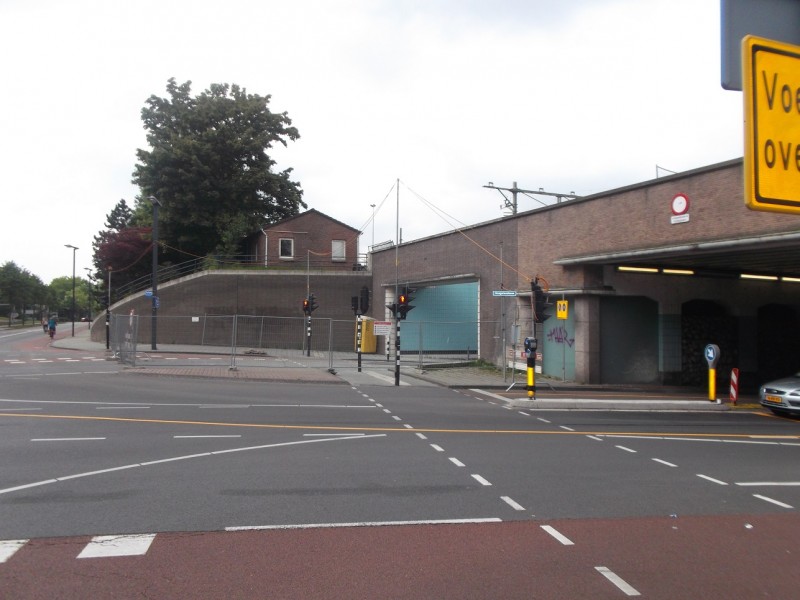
560,335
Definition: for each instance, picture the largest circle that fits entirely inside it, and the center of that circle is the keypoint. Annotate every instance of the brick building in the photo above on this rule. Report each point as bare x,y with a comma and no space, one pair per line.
647,325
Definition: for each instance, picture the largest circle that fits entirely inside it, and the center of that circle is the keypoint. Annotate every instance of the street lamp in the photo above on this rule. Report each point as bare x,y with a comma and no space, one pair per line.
108,311
155,202
74,248
90,275
373,225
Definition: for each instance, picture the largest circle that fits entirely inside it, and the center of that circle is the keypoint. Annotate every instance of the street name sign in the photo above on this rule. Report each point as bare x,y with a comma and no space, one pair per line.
504,293
772,125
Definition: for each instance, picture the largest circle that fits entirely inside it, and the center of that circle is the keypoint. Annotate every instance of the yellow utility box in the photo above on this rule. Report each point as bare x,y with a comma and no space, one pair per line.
368,340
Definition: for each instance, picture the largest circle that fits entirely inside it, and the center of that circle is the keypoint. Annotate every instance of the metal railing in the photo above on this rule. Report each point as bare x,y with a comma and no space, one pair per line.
243,262
248,340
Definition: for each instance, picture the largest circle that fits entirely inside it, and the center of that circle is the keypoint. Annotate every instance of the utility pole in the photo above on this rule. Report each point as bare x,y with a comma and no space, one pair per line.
514,190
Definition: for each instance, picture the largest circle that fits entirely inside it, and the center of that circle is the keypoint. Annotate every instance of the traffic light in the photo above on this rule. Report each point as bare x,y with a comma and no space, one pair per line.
541,302
364,300
310,305
404,303
354,304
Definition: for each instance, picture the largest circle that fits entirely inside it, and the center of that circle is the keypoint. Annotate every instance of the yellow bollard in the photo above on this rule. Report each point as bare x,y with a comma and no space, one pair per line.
712,385
531,383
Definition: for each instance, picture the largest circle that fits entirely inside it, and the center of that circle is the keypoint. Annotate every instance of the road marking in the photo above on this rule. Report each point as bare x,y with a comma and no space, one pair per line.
565,428
624,586
457,462
437,448
766,483
626,449
663,462
711,479
364,524
103,546
773,501
512,503
543,420
189,437
121,407
185,457
559,536
407,426
396,418
84,439
9,547
421,436
480,479
594,437
523,413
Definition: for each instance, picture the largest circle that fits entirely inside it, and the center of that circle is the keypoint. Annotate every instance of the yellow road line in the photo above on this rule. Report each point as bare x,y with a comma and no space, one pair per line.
388,429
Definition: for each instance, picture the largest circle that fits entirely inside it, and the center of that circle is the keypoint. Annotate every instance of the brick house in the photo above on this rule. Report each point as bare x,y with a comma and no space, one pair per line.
309,239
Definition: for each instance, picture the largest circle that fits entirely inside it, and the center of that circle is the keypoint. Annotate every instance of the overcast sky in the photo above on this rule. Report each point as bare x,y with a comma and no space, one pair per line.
445,95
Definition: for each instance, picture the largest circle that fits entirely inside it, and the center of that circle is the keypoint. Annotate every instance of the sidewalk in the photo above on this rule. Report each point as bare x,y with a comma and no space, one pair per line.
551,394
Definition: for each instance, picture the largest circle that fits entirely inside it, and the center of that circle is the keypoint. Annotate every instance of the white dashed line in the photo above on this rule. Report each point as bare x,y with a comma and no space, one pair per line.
117,545
626,449
512,503
457,462
773,501
711,479
663,462
624,586
542,420
595,438
565,428
9,547
767,483
86,439
191,437
559,536
421,436
437,448
480,479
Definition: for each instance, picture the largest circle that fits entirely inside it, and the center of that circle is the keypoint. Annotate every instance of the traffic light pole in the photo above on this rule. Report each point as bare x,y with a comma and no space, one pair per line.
397,350
308,336
358,340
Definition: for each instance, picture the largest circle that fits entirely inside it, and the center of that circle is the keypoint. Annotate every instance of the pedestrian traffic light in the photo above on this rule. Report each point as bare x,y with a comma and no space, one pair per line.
541,302
404,302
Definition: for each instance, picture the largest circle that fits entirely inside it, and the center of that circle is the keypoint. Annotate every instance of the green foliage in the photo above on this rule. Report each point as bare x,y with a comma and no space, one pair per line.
61,297
208,166
20,290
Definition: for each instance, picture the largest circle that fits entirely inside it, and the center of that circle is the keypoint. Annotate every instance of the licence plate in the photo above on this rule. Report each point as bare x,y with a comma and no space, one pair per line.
774,399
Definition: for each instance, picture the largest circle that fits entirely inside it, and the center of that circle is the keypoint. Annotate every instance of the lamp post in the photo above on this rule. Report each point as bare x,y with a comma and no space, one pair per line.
90,275
108,311
74,249
373,225
155,202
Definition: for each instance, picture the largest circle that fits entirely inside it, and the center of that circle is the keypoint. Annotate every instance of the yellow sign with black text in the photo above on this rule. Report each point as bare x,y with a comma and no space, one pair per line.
771,90
562,309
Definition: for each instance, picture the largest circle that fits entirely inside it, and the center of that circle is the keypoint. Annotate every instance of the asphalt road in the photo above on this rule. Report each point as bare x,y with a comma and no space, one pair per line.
243,489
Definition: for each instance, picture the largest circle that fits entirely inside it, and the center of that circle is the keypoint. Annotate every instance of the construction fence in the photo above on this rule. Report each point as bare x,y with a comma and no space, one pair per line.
248,340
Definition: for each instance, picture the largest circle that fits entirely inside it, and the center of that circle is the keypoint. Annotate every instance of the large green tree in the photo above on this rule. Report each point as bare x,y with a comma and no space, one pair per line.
21,291
208,165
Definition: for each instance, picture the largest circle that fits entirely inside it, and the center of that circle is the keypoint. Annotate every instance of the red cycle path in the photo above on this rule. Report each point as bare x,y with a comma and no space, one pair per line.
728,557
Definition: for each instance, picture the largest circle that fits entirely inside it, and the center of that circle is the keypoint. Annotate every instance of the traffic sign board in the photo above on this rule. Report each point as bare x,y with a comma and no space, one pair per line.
772,125
504,293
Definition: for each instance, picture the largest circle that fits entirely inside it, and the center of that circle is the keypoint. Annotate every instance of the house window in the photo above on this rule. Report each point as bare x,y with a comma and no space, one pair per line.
286,250
338,250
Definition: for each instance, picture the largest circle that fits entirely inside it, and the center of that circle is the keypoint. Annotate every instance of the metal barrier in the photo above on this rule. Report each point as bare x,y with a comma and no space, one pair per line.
123,336
267,341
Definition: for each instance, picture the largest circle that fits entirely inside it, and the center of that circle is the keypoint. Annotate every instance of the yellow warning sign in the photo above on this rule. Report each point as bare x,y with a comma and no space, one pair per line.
562,309
771,90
